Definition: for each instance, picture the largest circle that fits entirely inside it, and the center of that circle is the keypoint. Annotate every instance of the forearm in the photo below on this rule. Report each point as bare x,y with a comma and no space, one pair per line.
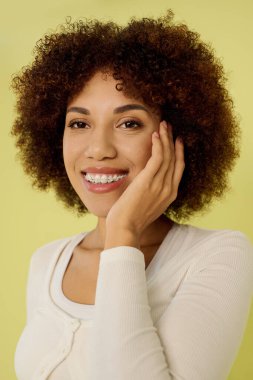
125,342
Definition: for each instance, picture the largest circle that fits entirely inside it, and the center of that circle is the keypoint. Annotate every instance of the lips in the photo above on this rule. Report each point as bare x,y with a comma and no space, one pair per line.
101,188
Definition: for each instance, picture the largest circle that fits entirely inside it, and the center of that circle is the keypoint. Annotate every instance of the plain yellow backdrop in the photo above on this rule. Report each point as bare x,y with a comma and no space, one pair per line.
30,218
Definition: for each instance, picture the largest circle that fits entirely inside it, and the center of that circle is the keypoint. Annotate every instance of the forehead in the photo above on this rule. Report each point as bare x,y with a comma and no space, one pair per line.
101,85
101,89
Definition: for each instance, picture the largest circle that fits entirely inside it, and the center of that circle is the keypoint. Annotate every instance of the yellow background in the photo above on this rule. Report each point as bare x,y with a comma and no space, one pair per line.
30,219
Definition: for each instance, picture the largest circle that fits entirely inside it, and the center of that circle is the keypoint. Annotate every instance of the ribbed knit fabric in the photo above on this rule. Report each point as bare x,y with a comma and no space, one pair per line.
183,318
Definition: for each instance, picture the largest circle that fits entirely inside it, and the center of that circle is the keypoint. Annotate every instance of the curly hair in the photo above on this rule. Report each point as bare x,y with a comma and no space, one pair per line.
159,61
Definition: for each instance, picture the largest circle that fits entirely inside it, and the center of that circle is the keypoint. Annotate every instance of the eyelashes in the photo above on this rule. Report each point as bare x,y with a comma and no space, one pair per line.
75,124
132,122
129,124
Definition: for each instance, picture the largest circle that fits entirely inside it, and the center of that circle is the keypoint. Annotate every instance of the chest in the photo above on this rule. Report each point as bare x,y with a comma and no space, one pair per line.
80,278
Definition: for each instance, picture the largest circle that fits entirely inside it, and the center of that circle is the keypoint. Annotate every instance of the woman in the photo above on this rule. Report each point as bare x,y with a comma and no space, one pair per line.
134,125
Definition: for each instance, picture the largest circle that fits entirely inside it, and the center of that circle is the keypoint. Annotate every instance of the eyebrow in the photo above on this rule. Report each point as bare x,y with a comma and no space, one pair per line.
121,109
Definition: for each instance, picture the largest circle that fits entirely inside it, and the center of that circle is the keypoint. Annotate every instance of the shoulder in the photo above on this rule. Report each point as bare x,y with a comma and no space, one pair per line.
200,247
195,237
198,235
42,262
218,239
50,251
219,249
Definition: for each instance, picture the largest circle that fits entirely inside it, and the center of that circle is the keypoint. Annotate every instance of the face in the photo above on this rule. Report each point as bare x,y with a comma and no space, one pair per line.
102,130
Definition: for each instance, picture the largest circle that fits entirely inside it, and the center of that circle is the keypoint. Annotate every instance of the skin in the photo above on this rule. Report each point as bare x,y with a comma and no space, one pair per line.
155,165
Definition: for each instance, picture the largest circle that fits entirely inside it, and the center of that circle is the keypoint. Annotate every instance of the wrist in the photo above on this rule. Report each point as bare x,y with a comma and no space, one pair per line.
121,237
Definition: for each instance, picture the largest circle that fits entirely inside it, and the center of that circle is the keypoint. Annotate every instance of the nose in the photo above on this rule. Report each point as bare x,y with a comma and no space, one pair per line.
100,143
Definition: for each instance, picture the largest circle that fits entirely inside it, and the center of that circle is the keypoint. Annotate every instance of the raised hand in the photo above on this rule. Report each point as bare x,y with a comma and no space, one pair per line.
153,189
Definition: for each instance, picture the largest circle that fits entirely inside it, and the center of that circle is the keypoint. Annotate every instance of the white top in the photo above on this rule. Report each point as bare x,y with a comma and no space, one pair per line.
182,318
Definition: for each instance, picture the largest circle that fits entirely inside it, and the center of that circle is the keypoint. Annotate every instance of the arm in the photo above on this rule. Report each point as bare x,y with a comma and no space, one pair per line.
203,326
198,335
114,297
125,342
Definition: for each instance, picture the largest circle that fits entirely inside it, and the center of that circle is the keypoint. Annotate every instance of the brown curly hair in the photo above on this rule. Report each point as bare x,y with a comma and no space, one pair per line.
162,63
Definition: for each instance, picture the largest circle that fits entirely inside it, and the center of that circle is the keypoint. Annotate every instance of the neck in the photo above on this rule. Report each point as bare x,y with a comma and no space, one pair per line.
153,235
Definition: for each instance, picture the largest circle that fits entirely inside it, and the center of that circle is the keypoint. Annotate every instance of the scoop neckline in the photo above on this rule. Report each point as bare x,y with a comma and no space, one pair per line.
57,298
85,311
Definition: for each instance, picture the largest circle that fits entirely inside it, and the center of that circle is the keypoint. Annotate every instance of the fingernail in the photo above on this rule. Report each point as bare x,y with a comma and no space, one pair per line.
164,124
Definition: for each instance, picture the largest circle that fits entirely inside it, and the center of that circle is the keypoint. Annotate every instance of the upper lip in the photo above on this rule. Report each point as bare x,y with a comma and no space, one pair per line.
104,170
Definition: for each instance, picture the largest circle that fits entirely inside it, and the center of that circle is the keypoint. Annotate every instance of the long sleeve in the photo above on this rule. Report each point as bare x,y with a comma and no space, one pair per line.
181,319
126,343
198,335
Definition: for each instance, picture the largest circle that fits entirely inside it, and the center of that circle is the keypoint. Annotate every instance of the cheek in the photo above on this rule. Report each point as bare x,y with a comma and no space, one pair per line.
70,149
66,152
140,151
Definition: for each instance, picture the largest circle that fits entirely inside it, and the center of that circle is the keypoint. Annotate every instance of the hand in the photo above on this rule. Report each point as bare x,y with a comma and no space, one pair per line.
153,189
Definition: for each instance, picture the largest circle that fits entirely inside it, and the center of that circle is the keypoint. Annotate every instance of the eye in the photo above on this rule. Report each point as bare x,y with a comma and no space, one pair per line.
132,124
77,124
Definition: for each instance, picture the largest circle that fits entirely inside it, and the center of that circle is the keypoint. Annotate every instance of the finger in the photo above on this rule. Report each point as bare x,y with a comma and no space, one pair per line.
167,167
154,163
179,164
169,154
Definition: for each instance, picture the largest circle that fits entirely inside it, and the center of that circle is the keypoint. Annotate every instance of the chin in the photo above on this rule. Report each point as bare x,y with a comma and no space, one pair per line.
99,204
101,211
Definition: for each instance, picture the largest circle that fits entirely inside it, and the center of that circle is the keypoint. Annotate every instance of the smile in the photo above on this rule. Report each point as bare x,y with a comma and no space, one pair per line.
103,183
103,178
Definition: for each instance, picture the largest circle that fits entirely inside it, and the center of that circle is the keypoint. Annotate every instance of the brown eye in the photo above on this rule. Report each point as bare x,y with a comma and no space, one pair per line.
131,124
77,124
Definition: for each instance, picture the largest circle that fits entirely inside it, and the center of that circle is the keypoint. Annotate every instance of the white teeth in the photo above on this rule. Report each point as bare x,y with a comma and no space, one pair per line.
98,178
110,178
103,179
